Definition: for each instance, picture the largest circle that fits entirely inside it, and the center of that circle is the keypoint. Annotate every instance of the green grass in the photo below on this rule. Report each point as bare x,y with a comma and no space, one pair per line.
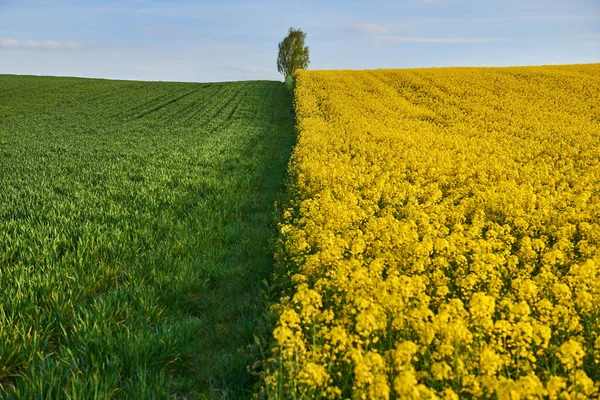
135,229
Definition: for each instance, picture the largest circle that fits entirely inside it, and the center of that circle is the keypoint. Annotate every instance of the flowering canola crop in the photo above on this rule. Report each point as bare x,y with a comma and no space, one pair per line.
442,236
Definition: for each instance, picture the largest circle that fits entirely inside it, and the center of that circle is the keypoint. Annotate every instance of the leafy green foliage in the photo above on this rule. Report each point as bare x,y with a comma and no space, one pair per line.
135,222
293,53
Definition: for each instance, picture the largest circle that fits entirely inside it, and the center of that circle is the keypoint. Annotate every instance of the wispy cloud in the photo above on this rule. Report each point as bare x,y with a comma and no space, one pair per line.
9,43
410,39
367,27
39,44
590,35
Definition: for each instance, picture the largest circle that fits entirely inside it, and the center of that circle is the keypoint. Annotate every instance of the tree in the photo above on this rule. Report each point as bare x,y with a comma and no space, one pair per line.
293,54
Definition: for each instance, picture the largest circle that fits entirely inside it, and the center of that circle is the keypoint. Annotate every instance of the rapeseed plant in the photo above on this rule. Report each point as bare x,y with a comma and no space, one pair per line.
442,236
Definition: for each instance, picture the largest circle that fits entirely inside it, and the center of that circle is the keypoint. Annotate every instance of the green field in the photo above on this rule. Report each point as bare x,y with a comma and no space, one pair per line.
136,221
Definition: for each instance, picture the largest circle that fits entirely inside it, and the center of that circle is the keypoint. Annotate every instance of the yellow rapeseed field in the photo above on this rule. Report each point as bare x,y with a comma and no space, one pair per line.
442,236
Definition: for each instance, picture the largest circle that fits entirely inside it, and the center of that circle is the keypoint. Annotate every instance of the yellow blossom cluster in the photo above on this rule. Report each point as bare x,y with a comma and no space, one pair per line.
442,236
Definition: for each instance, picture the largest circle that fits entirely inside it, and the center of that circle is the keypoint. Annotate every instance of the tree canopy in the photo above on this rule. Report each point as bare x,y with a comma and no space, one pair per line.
293,53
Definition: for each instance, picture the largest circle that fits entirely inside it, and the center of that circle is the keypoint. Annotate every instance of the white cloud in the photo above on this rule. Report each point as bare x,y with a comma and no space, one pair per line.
366,27
9,43
40,44
410,39
51,44
73,45
590,35
32,44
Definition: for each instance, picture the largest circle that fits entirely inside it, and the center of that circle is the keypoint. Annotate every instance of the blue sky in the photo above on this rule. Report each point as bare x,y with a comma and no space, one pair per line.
184,40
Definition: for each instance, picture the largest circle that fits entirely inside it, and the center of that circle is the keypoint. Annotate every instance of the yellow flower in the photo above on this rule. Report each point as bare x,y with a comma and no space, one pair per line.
555,386
583,384
441,371
404,354
490,362
313,375
571,354
482,308
441,232
405,385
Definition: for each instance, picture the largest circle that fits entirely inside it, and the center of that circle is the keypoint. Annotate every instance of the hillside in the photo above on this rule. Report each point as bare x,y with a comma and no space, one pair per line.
438,236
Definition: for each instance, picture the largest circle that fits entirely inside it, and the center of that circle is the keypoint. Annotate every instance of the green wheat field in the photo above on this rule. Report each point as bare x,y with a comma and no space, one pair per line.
136,228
